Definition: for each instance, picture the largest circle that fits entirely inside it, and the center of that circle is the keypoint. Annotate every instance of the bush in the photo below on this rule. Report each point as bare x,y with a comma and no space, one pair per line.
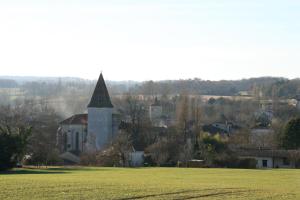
88,159
247,163
13,143
234,162
108,159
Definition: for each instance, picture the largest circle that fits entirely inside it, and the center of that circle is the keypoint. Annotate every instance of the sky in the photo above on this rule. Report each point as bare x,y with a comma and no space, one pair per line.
150,39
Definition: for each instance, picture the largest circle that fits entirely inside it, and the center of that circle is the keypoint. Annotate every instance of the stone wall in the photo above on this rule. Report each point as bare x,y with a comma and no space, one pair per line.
99,127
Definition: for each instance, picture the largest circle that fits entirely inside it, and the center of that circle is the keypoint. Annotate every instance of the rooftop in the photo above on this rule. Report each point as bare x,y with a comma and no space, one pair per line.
79,119
100,97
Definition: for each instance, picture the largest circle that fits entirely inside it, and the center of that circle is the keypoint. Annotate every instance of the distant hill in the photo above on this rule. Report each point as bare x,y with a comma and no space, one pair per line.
24,79
265,85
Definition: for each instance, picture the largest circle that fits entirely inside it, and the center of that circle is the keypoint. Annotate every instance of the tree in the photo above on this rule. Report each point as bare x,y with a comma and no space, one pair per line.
196,115
122,146
212,148
186,151
291,134
138,121
183,116
263,120
13,143
294,156
44,121
163,152
43,143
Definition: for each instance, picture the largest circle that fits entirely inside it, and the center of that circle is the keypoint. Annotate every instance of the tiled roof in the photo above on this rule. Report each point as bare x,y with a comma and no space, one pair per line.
76,119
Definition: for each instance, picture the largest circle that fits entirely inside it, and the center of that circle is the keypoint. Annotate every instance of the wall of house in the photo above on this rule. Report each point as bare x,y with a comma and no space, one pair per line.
136,159
99,127
272,162
72,131
283,163
260,161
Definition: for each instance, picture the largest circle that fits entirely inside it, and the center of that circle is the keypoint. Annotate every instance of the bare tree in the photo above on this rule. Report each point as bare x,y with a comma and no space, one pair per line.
138,120
163,151
183,116
122,146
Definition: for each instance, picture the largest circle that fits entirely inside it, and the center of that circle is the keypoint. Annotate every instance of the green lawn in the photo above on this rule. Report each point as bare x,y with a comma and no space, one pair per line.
149,183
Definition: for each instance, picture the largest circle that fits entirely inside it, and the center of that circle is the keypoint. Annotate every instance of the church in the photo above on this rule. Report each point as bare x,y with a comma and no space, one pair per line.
92,131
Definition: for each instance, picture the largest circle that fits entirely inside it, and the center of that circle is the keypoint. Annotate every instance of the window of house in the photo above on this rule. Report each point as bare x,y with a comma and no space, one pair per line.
65,141
285,161
77,141
265,163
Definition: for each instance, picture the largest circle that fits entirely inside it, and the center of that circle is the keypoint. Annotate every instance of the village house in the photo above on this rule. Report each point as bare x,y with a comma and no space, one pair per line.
266,158
226,128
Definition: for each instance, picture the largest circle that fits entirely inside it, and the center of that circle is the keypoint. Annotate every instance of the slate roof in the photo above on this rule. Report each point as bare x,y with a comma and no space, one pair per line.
81,119
213,130
100,98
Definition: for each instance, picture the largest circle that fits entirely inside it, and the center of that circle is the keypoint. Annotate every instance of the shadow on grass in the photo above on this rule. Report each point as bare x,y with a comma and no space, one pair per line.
191,196
212,194
51,170
79,169
31,171
156,195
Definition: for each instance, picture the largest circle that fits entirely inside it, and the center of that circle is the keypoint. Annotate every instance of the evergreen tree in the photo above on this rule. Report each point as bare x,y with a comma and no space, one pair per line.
291,134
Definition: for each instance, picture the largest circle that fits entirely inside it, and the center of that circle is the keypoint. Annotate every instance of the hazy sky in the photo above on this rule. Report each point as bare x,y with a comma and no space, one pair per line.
150,39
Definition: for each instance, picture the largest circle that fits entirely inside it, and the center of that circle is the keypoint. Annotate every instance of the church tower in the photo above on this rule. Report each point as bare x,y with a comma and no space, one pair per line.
100,110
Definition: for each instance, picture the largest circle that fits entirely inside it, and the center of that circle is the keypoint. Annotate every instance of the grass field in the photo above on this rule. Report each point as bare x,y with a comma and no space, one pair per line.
149,183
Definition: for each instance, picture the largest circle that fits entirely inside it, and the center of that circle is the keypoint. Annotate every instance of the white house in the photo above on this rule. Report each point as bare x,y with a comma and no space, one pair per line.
269,158
136,158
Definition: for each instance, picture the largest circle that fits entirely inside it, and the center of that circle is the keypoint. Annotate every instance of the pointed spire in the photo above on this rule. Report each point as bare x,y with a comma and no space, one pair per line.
100,98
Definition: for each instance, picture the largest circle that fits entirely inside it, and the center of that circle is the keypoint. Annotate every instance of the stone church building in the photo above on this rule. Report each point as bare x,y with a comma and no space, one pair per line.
92,131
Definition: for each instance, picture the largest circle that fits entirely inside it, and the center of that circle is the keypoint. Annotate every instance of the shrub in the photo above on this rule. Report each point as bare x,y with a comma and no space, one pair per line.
234,162
88,159
13,142
247,163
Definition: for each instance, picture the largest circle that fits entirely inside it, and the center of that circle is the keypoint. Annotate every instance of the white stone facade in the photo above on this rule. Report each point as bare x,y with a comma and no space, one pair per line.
75,136
136,159
100,127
